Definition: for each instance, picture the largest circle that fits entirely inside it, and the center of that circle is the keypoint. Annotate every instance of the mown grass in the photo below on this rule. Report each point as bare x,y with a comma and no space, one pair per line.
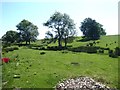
46,70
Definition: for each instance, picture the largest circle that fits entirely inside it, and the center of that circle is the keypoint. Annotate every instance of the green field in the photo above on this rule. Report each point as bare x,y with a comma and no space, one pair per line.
45,71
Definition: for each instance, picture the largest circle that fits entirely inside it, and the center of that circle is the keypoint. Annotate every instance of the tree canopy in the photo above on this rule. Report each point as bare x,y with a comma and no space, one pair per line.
10,37
92,29
27,31
62,25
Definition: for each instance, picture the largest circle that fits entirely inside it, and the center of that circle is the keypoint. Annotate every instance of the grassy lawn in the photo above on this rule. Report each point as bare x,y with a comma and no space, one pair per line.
45,71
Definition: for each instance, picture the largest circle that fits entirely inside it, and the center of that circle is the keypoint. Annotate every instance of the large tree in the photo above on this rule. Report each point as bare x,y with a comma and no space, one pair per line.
10,37
62,26
27,31
92,29
68,28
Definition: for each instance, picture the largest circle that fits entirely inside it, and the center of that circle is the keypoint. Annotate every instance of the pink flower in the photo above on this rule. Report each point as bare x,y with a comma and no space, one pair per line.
6,60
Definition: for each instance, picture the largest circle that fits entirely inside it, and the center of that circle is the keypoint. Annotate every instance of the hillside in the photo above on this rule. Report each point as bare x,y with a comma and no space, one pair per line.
37,68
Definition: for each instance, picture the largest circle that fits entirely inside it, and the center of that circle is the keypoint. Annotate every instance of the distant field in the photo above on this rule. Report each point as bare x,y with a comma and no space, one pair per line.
46,70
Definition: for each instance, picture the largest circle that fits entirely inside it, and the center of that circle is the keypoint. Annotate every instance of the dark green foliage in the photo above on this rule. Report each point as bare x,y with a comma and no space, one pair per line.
55,48
27,31
9,38
63,27
106,45
65,51
15,48
74,63
106,48
7,49
92,29
88,49
117,51
101,50
42,53
91,44
112,54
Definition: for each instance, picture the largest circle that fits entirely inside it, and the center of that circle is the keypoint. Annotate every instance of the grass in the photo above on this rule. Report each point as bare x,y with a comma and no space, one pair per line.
46,70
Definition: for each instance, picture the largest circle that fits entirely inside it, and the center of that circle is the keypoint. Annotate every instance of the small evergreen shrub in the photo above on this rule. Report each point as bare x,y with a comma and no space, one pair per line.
91,44
101,51
42,53
117,51
88,49
112,54
15,48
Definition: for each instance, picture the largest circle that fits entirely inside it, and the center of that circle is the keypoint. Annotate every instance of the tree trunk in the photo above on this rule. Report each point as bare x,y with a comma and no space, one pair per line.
29,42
59,43
26,42
59,39
65,42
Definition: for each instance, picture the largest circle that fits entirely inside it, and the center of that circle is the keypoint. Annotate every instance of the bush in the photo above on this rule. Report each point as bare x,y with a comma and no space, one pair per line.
15,48
106,48
42,53
55,48
92,50
88,49
112,54
101,51
117,51
91,44
7,49
64,51
42,48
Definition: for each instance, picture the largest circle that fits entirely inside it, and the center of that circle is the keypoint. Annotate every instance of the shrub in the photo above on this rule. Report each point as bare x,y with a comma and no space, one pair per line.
64,51
112,54
75,63
101,50
87,44
15,48
91,44
88,49
98,42
42,48
91,50
94,42
106,48
106,45
42,53
7,49
55,48
117,51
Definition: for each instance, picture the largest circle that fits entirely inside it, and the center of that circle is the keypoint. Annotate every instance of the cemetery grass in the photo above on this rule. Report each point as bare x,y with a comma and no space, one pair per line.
38,70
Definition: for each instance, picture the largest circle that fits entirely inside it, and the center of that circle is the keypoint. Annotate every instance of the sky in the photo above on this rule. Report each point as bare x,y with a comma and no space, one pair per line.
12,12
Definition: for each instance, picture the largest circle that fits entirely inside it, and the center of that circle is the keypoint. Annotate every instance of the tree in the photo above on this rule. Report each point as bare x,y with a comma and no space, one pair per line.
27,31
48,37
10,37
62,25
92,29
68,28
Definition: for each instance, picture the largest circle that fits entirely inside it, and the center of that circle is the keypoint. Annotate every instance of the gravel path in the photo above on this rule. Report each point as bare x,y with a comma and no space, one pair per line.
81,83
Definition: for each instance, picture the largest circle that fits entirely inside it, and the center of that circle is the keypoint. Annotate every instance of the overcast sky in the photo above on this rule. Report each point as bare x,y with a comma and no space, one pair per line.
13,12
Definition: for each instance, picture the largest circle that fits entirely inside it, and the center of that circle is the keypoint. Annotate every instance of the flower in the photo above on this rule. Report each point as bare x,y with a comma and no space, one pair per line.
6,60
